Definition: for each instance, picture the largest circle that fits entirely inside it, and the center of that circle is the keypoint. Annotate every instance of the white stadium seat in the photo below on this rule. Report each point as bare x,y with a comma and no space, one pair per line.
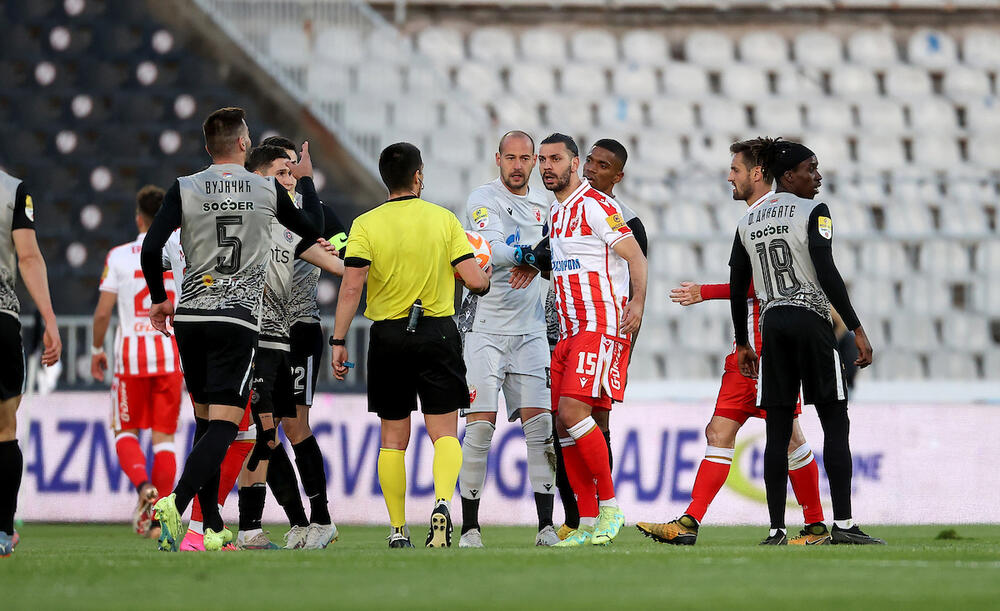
362,114
708,48
926,296
682,258
570,114
453,147
881,115
991,364
764,48
645,47
710,151
963,82
963,220
981,48
534,82
744,83
968,332
685,81
480,81
492,44
984,150
932,48
588,80
831,149
951,365
543,46
800,83
907,82
877,295
721,115
325,81
517,112
897,365
817,48
983,116
441,44
595,46
422,114
913,332
340,44
936,152
830,115
619,114
880,153
933,115
873,48
853,82
778,116
386,44
947,259
988,259
635,82
687,220
657,153
880,258
384,80
908,222
424,79
289,46
672,114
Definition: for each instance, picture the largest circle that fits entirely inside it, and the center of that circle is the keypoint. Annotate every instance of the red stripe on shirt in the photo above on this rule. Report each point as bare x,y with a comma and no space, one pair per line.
161,357
584,225
597,298
141,356
124,356
576,290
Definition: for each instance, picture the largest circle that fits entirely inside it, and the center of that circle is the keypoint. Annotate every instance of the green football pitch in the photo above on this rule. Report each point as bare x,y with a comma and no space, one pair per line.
106,567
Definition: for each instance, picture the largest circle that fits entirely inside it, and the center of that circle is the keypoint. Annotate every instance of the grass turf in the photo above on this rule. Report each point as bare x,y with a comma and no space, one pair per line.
107,567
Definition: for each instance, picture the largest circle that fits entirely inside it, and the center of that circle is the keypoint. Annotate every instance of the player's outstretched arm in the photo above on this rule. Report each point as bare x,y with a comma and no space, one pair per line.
347,306
293,218
628,249
102,319
35,276
740,272
474,278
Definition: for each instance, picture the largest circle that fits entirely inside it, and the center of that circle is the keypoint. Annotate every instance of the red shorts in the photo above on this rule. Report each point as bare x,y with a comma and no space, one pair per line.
147,402
590,367
738,398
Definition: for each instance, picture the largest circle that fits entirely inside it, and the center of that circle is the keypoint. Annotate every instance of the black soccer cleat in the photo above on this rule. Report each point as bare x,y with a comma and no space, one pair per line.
778,538
439,534
853,536
399,538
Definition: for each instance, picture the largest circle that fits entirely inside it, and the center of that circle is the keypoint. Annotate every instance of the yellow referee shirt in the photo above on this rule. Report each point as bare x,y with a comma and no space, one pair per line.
411,246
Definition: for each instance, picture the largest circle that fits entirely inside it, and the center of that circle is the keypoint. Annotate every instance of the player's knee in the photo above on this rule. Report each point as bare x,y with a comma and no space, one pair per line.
538,430
296,429
719,438
479,435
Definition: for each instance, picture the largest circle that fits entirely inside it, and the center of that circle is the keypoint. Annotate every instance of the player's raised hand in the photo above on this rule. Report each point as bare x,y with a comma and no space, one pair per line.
521,276
688,293
865,351
98,365
53,345
338,360
304,166
747,360
328,247
161,316
632,318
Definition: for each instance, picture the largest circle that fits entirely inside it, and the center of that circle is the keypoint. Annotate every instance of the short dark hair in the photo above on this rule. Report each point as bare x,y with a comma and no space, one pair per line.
615,148
148,201
755,151
263,155
515,133
397,164
280,141
568,141
221,128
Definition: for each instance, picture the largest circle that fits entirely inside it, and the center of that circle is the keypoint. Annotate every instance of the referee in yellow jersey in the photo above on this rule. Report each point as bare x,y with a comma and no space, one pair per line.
409,251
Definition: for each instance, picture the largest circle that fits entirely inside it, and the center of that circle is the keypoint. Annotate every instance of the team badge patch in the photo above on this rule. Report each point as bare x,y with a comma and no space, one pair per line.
616,222
480,217
29,208
472,394
826,227
207,280
538,215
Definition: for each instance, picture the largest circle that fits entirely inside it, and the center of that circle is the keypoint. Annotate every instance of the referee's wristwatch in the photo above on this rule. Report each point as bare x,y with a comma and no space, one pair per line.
337,342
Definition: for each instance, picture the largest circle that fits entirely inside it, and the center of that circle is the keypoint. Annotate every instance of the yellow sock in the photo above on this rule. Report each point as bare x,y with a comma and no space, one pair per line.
447,464
392,478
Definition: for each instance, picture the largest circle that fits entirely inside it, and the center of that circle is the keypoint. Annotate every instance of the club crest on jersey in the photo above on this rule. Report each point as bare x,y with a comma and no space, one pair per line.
288,236
615,221
826,227
574,225
29,208
538,215
472,394
480,217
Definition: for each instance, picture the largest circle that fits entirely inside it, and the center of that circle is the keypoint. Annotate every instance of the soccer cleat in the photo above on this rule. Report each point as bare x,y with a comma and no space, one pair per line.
17,538
154,530
171,527
142,516
215,541
682,531
320,535
564,531
812,534
259,541
609,524
295,538
230,547
578,538
439,534
7,543
398,540
471,538
547,537
193,542
778,538
853,536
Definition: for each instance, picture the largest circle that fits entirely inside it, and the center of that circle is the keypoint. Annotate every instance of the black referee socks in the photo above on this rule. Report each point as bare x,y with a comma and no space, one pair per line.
203,462
285,487
10,482
309,459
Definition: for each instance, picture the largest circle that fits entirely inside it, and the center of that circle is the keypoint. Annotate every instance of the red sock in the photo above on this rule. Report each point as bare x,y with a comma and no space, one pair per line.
131,458
231,466
593,449
805,484
164,467
707,483
581,480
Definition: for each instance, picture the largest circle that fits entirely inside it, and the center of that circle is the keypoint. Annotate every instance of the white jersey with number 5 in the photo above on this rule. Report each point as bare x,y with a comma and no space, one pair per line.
140,350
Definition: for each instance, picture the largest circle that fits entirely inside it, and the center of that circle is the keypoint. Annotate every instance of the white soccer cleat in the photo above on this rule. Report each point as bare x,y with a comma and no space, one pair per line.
547,537
295,538
471,538
318,536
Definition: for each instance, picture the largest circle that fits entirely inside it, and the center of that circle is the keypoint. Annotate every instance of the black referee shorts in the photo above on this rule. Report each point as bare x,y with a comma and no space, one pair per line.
306,356
427,364
12,352
217,358
799,349
272,384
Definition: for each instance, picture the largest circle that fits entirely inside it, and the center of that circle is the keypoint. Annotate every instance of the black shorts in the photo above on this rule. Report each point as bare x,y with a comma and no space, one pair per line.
12,352
427,363
799,350
272,384
217,358
306,357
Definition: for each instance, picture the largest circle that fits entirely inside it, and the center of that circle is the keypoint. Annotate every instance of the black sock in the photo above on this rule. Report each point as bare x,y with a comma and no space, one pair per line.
309,459
779,433
285,487
837,455
543,506
208,497
470,514
607,440
203,462
570,511
251,506
11,462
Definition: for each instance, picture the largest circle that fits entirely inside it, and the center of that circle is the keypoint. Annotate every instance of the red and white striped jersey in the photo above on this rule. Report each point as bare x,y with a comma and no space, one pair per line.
140,350
591,281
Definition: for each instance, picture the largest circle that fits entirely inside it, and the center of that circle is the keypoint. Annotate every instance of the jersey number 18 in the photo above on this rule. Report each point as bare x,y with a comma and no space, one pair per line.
777,255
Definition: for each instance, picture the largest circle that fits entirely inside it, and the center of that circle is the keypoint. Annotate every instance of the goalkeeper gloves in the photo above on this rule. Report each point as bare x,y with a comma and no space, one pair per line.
538,256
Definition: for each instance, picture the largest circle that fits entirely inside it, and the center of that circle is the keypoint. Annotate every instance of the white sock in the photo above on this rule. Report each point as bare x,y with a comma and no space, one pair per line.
844,524
800,457
775,531
591,522
723,456
541,453
196,527
582,427
475,451
612,502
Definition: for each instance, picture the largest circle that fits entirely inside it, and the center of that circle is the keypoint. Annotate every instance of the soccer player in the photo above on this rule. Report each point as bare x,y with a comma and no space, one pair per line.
595,262
504,335
737,400
18,251
307,346
784,243
225,215
272,388
146,391
409,250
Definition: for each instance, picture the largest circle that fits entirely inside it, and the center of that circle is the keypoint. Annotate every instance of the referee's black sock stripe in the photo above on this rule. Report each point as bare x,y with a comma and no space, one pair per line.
285,486
204,461
779,433
11,463
309,459
837,455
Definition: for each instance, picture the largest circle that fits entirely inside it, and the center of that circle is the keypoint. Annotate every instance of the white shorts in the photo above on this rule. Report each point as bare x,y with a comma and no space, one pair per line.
518,364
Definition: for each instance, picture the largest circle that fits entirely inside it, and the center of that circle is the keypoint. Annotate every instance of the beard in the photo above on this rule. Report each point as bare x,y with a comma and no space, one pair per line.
561,181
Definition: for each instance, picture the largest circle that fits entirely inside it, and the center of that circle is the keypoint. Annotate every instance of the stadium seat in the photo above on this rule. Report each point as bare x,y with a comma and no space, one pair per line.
588,80
907,82
947,365
882,116
570,114
764,48
492,44
872,48
926,296
687,366
688,220
340,44
711,152
981,48
961,220
424,79
984,149
671,114
853,82
363,114
880,153
817,48
744,83
880,259
947,259
515,112
722,116
988,258
635,82
594,45
983,116
778,116
829,115
932,49
934,115
913,332
543,46
991,364
968,332
800,83
480,81
380,79
326,81
645,47
908,222
452,147
936,152
963,82
685,81
443,45
422,114
620,114
289,46
386,44
532,81
708,48
897,365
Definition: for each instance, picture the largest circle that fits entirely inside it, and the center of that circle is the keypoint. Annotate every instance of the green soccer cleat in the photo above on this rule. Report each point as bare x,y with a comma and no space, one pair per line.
215,541
578,538
609,524
171,526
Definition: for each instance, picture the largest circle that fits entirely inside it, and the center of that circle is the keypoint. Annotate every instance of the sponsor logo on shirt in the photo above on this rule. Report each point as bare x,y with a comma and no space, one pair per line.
564,265
207,280
615,221
826,227
29,208
480,217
